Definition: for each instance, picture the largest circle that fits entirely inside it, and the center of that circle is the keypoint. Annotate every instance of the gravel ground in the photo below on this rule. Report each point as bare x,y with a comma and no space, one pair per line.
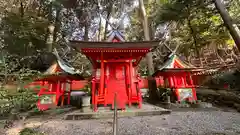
177,123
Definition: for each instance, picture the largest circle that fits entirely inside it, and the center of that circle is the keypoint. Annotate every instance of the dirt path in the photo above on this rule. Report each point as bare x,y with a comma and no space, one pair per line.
179,122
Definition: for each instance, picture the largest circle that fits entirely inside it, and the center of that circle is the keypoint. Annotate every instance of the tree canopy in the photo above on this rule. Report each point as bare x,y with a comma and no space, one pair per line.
189,24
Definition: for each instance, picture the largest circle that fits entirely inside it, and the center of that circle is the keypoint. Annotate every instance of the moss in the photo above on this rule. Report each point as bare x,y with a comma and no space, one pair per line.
28,131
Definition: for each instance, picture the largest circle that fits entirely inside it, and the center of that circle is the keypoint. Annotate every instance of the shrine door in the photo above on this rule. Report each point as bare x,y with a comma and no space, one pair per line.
116,83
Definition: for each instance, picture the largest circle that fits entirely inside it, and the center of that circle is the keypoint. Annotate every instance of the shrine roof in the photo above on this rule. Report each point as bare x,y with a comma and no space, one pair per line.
60,70
173,59
169,66
110,45
179,70
60,77
218,70
182,69
115,34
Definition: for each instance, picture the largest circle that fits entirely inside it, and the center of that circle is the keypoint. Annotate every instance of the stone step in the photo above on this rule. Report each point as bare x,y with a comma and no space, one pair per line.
146,110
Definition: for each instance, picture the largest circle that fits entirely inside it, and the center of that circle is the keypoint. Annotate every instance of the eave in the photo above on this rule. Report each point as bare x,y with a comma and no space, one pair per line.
79,45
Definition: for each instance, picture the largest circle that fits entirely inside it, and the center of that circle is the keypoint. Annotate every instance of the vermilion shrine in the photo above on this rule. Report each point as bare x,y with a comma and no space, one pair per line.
177,75
114,64
56,85
115,69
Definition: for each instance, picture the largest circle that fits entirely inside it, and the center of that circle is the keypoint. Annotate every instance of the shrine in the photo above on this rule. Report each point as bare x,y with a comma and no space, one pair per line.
177,75
55,86
115,69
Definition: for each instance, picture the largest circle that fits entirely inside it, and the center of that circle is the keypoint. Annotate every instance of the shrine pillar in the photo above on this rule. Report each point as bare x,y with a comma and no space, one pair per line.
58,89
102,75
172,81
130,80
193,89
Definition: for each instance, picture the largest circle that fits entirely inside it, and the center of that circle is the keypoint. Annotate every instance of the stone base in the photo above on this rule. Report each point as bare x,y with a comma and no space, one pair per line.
186,105
103,112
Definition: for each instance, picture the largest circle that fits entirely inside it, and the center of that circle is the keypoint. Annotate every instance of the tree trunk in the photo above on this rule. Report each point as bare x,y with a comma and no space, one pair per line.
194,37
99,30
144,20
106,24
50,17
51,28
21,9
195,41
153,96
86,31
227,21
56,24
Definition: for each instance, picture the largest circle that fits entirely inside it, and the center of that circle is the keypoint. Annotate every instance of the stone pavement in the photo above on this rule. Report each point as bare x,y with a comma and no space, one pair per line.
104,112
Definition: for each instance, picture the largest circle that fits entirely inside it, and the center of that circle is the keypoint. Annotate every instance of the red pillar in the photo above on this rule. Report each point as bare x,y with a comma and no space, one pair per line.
106,74
69,92
184,80
63,90
131,83
193,88
175,86
57,92
128,83
93,94
171,81
102,75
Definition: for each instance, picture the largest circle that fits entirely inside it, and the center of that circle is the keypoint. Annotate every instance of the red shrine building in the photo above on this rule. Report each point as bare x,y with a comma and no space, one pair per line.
177,75
114,73
56,84
115,69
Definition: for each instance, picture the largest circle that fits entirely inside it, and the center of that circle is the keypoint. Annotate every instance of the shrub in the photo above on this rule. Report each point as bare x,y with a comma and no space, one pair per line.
28,131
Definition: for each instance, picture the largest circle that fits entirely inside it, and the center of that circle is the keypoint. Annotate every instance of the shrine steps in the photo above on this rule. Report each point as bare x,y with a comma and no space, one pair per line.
124,98
106,113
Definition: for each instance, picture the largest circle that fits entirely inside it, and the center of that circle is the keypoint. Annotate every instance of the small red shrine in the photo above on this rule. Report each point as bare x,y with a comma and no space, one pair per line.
115,69
56,85
177,75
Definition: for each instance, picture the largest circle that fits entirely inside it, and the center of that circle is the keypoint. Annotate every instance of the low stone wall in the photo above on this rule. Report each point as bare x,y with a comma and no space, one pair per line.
229,98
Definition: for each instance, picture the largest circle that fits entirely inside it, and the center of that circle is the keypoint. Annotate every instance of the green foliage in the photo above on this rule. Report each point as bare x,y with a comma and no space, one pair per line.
16,95
134,31
28,131
22,100
164,93
197,24
234,11
23,35
87,89
179,10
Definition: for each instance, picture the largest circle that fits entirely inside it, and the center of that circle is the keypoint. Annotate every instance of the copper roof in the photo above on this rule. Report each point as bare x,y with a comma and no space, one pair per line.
175,70
168,66
60,77
115,34
107,45
218,70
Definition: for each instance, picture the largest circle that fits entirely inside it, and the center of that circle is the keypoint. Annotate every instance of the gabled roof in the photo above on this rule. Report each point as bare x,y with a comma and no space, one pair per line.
60,65
175,64
63,65
175,60
115,34
78,45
